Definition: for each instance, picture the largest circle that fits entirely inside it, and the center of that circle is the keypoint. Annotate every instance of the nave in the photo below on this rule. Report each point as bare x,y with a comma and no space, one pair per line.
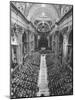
40,77
42,80
41,50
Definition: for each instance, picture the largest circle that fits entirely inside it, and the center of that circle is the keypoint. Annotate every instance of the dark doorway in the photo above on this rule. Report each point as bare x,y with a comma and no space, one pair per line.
43,43
24,42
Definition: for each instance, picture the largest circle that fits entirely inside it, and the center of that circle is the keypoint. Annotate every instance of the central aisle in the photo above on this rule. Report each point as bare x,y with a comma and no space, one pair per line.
42,80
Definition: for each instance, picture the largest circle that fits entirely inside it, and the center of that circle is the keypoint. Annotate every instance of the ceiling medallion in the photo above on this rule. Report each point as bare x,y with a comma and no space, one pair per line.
43,27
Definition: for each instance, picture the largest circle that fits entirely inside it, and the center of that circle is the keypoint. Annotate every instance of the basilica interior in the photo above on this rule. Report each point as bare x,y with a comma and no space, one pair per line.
41,45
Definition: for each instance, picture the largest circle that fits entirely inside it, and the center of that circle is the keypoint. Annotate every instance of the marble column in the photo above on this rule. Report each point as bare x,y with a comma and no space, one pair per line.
56,43
18,54
12,53
38,37
35,42
27,33
65,45
48,41
19,49
21,54
53,42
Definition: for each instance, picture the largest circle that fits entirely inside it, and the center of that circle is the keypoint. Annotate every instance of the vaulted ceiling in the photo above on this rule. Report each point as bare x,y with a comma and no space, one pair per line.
33,11
42,14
